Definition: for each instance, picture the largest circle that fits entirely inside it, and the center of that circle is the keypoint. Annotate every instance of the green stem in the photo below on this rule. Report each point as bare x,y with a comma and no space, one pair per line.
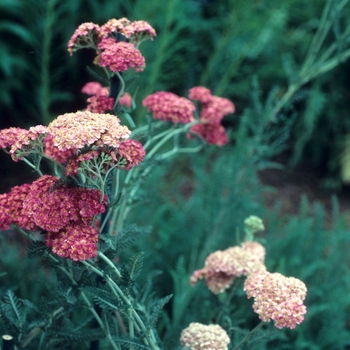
246,338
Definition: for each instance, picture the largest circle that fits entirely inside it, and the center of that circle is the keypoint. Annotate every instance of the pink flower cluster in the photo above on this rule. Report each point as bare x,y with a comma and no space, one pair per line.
19,141
11,209
277,298
100,102
118,56
83,37
198,336
65,212
213,109
223,266
169,107
132,152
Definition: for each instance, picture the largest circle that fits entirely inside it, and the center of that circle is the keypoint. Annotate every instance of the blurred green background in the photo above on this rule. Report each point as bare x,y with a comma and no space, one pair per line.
250,51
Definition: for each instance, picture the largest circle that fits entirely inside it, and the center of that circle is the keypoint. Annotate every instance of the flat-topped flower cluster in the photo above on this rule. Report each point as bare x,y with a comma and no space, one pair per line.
276,297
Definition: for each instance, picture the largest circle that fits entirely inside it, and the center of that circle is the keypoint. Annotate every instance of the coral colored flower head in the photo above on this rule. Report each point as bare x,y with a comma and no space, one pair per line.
200,93
277,298
169,107
120,56
132,151
198,336
77,242
94,88
83,37
126,100
224,266
80,129
11,209
53,205
212,133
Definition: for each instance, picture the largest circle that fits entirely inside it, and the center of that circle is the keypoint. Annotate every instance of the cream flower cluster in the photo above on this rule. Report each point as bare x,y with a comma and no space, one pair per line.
202,337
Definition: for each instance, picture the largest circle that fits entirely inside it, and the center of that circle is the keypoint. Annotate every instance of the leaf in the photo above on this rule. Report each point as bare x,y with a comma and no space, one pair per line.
135,265
36,249
13,309
156,311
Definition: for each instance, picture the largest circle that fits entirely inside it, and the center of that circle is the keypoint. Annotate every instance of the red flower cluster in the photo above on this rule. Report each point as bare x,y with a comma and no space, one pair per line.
132,151
213,109
11,209
169,107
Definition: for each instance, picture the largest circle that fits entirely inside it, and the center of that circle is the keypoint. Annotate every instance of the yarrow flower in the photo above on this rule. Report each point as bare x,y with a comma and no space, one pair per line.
76,242
223,266
120,56
169,107
19,142
83,37
277,298
213,133
202,337
11,209
80,129
132,151
53,205
112,26
213,109
126,100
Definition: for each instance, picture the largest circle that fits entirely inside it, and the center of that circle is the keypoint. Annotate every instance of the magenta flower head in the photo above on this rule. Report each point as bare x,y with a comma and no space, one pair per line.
11,209
277,298
120,56
202,337
224,266
169,107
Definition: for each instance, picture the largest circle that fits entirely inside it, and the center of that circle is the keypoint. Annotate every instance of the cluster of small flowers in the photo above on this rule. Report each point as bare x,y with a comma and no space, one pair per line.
65,212
99,101
204,337
213,110
169,107
116,55
277,298
223,266
71,135
18,141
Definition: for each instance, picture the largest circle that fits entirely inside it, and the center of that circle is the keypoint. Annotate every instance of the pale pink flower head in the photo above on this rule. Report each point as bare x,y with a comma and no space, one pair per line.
139,31
224,266
100,104
11,209
95,88
76,241
27,141
212,133
120,56
200,93
9,136
277,298
215,109
126,100
132,152
84,128
198,336
169,107
83,37
113,26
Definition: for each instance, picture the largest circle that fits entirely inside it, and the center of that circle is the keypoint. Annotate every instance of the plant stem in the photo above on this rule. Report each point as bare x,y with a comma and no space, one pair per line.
246,338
